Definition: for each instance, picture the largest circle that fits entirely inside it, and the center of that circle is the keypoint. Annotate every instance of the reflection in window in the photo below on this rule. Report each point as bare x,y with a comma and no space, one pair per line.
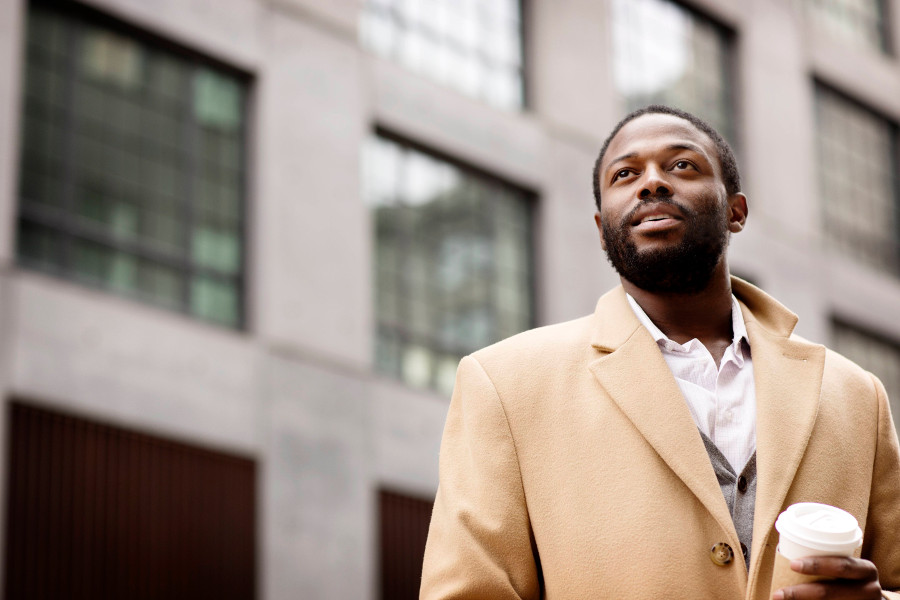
860,22
473,46
874,354
452,262
857,161
666,54
132,167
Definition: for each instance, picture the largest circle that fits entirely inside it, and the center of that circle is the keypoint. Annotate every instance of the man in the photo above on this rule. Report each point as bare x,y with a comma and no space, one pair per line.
645,451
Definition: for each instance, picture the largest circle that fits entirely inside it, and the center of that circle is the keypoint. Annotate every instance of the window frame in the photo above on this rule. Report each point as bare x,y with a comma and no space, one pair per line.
730,72
887,47
818,87
532,206
79,17
523,47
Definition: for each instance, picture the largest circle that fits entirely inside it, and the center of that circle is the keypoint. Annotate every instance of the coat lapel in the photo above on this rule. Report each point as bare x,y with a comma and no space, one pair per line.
635,375
788,378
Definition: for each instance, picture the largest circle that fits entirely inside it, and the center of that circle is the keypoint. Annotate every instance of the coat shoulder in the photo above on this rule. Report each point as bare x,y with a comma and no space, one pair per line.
845,380
537,350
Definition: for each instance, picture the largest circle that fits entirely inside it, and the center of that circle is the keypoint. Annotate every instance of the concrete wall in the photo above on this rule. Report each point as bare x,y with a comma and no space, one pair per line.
296,390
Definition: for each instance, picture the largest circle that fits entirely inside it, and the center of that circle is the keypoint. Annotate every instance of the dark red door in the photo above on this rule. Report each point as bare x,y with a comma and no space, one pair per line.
98,512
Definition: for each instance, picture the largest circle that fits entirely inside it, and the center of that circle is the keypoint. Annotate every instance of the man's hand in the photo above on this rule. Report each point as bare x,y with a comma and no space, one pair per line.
854,578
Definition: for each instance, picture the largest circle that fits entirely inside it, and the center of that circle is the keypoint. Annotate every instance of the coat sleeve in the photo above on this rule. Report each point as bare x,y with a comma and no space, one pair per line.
480,543
882,535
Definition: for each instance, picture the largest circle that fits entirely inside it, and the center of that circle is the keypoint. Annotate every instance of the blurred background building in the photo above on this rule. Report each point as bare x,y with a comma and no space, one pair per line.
243,244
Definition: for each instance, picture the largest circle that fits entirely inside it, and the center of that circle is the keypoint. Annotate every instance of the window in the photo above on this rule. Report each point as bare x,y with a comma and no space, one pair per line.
857,163
474,46
664,53
860,22
874,354
132,166
100,512
452,261
403,531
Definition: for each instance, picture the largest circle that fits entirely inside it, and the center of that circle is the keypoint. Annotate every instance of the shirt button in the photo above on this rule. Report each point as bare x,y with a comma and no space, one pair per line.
728,415
745,551
742,484
721,554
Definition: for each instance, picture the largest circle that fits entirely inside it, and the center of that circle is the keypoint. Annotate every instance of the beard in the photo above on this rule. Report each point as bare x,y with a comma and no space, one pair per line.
685,268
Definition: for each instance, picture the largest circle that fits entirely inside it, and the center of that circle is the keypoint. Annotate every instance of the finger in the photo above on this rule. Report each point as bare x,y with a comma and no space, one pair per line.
841,567
832,590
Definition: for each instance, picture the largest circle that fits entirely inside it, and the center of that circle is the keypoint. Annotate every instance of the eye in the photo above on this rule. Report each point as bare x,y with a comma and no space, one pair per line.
682,164
621,173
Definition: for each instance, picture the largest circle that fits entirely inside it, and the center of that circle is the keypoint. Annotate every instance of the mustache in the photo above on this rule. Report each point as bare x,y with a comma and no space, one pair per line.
657,199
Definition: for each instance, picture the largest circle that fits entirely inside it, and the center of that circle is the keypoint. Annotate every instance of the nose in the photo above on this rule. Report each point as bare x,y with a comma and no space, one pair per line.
654,184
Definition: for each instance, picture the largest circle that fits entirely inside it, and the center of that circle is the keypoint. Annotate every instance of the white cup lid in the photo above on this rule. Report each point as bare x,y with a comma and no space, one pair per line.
820,527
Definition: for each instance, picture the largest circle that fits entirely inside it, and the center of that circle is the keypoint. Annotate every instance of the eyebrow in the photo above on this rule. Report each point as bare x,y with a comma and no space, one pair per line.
687,146
679,146
621,158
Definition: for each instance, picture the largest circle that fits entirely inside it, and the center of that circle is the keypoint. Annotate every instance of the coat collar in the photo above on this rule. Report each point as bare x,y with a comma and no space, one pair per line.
787,374
614,321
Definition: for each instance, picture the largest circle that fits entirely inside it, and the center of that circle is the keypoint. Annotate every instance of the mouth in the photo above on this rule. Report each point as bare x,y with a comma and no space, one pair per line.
656,217
657,226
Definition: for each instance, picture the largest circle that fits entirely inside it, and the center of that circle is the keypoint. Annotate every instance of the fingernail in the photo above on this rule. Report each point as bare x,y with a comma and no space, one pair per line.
797,565
779,595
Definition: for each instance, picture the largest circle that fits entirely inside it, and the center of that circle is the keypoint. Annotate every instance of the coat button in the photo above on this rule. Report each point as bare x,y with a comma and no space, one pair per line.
721,554
742,484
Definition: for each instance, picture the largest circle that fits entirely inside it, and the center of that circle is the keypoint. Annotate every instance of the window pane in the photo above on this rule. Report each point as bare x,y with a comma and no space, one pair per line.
104,266
217,100
214,300
472,46
452,261
132,166
216,248
111,58
860,22
857,158
161,284
666,54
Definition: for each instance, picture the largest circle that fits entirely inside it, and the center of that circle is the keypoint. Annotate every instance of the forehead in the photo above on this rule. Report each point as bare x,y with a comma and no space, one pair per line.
654,131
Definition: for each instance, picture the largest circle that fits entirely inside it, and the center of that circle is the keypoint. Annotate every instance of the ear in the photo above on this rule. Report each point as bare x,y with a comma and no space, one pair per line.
599,222
737,212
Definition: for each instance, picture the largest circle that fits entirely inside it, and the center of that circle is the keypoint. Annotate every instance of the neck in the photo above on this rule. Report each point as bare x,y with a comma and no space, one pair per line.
705,315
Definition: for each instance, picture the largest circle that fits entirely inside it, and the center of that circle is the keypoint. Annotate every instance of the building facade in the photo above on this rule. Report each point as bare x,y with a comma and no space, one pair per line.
243,244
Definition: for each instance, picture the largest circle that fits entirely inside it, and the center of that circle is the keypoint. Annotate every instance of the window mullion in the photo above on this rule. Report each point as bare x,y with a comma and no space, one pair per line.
189,149
69,182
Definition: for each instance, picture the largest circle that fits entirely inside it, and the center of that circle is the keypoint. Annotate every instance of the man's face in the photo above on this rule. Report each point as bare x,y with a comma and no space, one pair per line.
665,215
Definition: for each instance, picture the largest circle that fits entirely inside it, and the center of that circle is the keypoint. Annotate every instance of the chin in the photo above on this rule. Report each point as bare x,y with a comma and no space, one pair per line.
656,242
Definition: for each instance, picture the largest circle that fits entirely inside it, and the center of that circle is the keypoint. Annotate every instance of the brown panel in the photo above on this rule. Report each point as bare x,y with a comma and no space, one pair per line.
403,530
98,512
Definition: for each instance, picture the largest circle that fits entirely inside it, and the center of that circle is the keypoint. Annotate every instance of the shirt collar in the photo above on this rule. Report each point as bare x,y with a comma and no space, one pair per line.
738,330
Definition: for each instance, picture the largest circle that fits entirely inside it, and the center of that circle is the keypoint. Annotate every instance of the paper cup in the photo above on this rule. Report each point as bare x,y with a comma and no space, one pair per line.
812,529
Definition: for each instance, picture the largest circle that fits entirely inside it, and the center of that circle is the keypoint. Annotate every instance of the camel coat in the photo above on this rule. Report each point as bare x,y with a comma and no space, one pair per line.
570,467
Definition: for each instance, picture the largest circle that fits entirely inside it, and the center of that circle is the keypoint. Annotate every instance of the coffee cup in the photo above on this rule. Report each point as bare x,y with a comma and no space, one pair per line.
812,529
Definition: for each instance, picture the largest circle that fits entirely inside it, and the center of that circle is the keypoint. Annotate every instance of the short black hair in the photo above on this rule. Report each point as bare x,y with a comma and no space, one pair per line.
731,176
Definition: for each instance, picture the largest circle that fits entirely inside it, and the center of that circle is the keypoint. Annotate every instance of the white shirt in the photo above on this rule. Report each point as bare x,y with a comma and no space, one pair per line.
722,401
